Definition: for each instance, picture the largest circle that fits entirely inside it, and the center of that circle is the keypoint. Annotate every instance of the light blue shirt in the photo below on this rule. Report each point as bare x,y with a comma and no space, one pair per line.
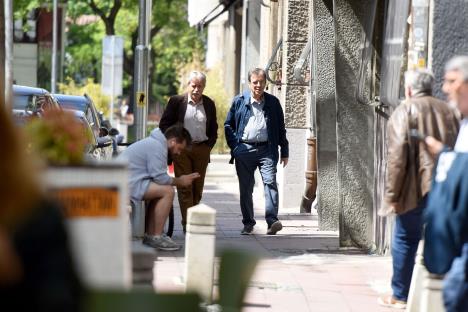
256,128
147,162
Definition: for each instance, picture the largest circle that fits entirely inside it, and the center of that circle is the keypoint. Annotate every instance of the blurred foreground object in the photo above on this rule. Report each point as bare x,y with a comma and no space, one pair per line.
33,242
58,138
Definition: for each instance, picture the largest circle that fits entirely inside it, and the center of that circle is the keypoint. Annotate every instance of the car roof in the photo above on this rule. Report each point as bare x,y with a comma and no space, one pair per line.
25,90
78,102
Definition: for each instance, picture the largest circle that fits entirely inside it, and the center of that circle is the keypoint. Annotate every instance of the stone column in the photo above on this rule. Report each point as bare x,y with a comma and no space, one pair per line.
447,36
354,128
324,87
294,98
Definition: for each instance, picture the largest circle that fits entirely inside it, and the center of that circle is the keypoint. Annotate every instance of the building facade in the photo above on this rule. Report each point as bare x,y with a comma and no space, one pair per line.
337,67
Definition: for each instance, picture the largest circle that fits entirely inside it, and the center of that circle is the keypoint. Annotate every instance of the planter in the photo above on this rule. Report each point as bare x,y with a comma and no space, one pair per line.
94,197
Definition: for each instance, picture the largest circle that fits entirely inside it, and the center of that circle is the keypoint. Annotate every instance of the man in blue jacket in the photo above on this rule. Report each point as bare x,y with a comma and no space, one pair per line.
254,129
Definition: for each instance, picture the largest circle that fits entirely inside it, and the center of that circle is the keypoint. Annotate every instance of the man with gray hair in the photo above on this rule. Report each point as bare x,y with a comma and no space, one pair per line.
456,88
409,172
197,113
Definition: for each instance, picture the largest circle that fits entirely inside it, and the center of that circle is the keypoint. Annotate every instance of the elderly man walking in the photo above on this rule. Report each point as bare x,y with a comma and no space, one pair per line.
197,113
409,172
254,130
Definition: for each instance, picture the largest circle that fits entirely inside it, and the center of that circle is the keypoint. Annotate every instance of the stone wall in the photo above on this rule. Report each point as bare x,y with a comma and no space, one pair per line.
324,87
354,128
294,98
448,37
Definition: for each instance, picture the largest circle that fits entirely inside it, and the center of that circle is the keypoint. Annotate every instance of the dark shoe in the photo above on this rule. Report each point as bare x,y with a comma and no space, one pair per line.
247,230
274,228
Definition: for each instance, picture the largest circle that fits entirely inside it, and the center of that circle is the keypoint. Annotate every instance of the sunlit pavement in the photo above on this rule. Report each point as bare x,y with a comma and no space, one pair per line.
301,269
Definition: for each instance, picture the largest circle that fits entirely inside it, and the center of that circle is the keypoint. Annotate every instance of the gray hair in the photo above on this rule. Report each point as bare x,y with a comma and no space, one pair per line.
257,72
458,63
419,80
198,76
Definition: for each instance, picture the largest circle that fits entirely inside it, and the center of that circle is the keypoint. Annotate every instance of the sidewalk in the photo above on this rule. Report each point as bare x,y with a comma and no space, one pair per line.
302,269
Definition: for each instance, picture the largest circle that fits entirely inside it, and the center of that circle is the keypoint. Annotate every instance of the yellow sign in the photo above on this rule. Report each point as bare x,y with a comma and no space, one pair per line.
141,99
88,201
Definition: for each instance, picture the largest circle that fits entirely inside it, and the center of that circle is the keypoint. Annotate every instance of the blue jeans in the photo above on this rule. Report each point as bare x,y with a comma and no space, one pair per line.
248,159
406,237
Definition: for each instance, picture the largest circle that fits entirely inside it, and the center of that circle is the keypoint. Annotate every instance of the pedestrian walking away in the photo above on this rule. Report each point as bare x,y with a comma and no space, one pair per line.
254,129
149,181
409,172
197,113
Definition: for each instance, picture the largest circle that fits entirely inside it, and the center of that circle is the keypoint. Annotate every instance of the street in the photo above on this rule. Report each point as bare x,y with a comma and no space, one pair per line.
302,269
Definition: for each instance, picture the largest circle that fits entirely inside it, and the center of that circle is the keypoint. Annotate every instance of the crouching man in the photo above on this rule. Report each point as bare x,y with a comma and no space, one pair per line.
149,181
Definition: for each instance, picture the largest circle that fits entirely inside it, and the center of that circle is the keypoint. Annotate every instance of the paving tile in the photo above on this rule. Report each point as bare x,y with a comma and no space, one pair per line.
302,269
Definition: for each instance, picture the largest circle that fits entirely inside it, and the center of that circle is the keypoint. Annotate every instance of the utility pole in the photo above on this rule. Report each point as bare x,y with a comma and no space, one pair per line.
2,53
141,68
8,68
140,81
53,76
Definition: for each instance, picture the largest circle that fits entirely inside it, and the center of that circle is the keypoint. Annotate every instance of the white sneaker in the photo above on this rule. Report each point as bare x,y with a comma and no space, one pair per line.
161,242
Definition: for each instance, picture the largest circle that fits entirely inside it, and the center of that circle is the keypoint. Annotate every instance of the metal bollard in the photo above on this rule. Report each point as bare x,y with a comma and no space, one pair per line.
200,251
138,219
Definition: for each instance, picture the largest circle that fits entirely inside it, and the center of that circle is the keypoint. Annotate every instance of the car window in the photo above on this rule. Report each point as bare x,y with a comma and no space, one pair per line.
23,102
92,122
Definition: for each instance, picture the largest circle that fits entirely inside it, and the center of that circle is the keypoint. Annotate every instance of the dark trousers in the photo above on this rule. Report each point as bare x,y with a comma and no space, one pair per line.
406,236
193,159
248,158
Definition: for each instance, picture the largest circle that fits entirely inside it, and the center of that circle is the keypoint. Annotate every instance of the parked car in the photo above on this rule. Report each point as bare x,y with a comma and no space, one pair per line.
30,101
84,104
100,147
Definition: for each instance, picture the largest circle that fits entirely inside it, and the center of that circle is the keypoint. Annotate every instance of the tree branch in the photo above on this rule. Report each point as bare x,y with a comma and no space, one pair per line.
97,10
154,31
115,10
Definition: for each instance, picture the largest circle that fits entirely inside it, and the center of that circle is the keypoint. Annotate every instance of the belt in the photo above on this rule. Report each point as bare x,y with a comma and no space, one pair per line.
199,142
255,143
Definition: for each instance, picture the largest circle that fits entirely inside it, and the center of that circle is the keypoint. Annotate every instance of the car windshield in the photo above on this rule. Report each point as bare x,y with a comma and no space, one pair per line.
73,104
23,101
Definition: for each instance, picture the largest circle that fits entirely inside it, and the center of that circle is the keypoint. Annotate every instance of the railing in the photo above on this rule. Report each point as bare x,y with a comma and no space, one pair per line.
274,64
301,62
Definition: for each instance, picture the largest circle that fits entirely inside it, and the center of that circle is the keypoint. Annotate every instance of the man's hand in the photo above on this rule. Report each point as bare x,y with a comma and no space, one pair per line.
388,209
186,179
434,146
284,161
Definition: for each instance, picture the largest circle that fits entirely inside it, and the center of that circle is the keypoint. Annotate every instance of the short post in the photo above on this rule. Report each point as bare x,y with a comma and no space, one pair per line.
431,296
200,251
414,298
138,219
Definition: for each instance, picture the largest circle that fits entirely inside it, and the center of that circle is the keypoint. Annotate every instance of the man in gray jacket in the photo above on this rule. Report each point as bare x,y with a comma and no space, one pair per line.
149,181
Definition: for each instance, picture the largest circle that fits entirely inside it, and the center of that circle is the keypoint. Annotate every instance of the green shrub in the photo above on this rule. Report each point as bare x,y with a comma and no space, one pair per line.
92,89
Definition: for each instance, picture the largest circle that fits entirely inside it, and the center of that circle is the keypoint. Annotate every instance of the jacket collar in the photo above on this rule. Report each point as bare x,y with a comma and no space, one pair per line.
247,95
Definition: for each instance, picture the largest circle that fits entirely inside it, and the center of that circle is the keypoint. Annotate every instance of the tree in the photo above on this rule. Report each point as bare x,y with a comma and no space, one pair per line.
173,41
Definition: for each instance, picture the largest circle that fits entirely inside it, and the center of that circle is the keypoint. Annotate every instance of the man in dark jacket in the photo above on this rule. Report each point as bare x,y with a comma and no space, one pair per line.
409,172
197,113
254,129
